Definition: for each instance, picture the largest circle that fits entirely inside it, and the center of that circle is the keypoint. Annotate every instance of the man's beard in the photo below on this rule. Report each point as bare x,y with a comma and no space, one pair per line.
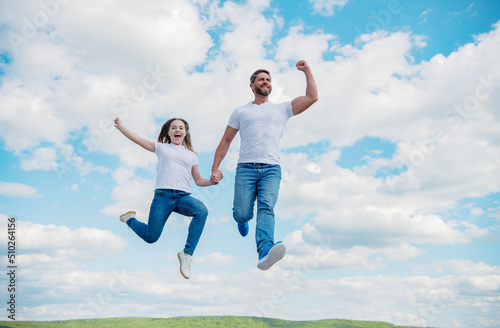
260,92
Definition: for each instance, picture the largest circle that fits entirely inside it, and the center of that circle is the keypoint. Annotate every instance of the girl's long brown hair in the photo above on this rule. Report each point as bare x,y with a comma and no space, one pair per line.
163,137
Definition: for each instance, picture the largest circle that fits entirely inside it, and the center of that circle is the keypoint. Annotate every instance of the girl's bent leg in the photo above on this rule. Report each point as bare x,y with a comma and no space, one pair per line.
190,206
160,210
138,227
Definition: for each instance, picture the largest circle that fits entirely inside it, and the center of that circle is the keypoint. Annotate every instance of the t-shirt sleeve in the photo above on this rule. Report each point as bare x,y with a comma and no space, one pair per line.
234,121
157,148
289,111
195,160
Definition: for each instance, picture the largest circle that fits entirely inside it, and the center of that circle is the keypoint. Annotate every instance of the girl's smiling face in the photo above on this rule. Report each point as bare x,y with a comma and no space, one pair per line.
177,132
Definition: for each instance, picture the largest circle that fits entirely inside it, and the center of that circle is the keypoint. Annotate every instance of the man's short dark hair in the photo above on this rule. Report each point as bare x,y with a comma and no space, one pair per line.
257,72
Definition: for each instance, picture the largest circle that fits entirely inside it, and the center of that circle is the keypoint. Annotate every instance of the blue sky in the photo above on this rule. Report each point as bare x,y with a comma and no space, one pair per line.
389,202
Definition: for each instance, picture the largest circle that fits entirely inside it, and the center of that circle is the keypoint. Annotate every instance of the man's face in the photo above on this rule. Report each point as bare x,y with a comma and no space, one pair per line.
262,85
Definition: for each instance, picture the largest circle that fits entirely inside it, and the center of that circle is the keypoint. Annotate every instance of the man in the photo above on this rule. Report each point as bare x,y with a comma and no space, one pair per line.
258,174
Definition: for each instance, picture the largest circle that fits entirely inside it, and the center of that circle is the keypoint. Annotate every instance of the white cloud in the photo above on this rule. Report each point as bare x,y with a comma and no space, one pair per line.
425,12
250,30
215,259
436,136
47,246
364,91
428,299
476,211
43,159
354,223
410,300
38,120
65,244
72,292
327,7
86,67
297,45
322,251
73,78
14,189
131,194
218,221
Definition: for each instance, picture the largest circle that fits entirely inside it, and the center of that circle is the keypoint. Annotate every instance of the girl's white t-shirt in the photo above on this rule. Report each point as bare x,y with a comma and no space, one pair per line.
261,128
174,167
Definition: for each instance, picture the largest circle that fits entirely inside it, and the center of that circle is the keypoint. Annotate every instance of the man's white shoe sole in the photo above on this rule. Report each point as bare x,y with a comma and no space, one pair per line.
276,253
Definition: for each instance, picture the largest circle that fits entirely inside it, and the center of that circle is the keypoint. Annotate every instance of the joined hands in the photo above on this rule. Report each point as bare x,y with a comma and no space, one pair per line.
216,177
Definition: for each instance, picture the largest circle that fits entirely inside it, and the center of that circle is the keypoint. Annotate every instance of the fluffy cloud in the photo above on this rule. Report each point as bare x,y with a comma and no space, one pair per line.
74,79
313,46
215,259
43,159
327,7
353,223
427,299
363,92
14,189
353,215
416,300
95,60
131,194
64,244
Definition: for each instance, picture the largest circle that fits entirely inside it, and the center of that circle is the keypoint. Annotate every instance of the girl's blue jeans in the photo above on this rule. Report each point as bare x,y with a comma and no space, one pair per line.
164,203
259,182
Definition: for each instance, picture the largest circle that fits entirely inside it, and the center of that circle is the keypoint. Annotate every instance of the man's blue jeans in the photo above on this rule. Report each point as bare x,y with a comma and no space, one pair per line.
164,203
259,182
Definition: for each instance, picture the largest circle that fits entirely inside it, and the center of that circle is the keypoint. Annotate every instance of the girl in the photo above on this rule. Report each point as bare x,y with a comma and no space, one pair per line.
177,162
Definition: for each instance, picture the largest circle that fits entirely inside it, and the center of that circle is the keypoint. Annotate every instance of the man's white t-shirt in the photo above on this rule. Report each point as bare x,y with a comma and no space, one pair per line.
174,167
261,128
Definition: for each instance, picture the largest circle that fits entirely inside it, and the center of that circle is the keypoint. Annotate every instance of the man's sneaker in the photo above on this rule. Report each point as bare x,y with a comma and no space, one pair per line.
185,261
243,229
127,216
270,255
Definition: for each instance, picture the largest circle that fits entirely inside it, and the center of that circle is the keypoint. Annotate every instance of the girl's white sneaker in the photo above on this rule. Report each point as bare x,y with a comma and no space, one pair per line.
127,216
185,261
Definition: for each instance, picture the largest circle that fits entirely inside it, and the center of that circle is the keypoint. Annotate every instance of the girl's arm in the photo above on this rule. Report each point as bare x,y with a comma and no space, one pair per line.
200,182
144,143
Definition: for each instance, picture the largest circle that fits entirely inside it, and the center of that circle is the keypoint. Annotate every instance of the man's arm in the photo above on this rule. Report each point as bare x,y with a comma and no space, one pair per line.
221,151
300,104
